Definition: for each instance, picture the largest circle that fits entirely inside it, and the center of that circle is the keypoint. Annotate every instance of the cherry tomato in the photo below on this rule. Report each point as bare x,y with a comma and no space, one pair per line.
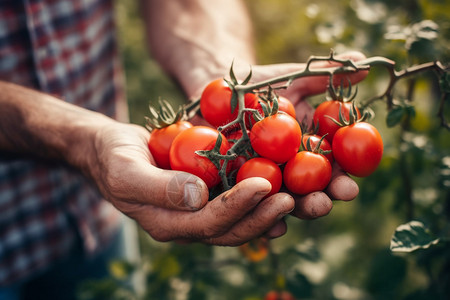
255,250
284,104
328,109
279,295
358,148
262,167
183,156
215,103
307,172
314,140
161,140
277,137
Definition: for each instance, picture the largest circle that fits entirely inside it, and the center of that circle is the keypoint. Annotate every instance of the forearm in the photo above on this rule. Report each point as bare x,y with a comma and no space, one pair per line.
37,124
196,41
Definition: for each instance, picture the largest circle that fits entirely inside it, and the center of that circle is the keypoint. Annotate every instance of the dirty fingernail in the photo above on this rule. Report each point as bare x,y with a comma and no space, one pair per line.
192,195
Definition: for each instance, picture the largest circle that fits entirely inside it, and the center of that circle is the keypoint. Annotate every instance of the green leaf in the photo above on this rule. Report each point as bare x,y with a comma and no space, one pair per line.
412,236
167,267
395,116
444,83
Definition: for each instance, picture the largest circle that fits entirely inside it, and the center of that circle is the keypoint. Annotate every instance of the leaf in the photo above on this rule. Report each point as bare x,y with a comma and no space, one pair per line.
395,116
412,236
120,269
444,83
167,267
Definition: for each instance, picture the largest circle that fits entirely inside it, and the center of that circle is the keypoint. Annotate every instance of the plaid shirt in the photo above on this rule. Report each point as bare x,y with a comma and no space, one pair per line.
66,48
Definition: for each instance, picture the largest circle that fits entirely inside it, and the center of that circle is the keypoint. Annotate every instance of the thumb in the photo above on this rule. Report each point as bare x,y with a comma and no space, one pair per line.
173,190
181,190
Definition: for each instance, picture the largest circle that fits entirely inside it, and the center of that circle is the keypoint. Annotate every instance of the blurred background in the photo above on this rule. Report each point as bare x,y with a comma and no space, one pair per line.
345,255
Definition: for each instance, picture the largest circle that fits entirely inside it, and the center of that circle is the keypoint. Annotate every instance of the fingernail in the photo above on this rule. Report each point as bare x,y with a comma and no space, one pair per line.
285,213
258,196
192,195
281,216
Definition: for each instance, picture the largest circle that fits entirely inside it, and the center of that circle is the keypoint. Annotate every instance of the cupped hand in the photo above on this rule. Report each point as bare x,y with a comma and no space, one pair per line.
173,205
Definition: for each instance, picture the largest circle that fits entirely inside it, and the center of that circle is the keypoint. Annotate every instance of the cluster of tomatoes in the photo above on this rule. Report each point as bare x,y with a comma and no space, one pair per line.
271,144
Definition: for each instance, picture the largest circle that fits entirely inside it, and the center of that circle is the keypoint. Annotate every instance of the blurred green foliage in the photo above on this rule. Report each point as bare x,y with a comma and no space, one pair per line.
345,255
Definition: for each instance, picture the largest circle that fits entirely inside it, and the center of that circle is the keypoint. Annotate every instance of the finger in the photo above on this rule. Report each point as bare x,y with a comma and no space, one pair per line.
259,221
279,229
166,189
341,186
213,220
312,206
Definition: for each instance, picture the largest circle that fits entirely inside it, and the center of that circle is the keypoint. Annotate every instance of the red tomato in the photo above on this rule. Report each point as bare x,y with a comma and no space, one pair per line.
184,158
328,109
262,167
161,140
314,140
358,148
307,172
279,295
215,103
284,104
277,137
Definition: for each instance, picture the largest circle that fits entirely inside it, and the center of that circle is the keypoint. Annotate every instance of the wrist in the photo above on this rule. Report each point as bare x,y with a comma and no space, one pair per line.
79,147
36,124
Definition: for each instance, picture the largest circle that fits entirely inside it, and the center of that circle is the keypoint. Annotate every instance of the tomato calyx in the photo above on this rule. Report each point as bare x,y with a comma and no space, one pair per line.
165,116
337,93
317,148
353,116
219,160
269,103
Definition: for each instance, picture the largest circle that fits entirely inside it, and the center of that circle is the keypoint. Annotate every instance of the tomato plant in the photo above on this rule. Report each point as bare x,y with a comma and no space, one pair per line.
330,109
215,103
161,140
307,172
183,156
261,167
358,148
277,137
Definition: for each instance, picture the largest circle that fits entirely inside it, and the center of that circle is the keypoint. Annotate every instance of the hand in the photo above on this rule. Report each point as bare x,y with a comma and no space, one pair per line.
172,205
341,187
